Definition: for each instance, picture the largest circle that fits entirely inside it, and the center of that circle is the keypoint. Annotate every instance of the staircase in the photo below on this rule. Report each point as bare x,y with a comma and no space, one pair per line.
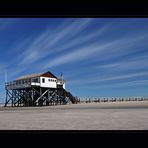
65,93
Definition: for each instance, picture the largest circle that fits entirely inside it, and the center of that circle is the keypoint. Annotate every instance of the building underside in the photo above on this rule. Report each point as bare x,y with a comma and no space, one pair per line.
38,96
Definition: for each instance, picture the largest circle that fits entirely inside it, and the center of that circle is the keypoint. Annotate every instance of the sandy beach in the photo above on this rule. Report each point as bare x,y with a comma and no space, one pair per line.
131,115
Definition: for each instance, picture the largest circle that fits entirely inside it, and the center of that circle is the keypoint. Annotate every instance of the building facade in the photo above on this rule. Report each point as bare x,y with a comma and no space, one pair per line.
37,90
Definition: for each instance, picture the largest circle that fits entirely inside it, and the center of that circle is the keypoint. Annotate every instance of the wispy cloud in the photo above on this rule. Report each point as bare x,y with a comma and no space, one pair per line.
124,76
128,64
54,41
116,47
83,39
107,78
117,85
96,52
43,45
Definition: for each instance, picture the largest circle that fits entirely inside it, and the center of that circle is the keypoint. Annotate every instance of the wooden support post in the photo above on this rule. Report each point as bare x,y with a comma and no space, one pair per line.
40,95
32,94
6,97
12,99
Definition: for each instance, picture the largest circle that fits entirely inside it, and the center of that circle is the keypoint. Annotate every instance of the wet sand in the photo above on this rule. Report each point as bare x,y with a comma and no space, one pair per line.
131,115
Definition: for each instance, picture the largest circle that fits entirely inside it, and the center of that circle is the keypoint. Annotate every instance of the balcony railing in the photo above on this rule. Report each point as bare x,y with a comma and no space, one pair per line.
16,85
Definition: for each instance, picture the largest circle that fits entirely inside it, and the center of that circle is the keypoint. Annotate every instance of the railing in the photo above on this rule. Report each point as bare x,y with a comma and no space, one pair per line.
98,100
21,84
16,85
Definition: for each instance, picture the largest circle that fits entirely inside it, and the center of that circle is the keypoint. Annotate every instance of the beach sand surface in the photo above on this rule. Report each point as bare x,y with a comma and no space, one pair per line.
131,115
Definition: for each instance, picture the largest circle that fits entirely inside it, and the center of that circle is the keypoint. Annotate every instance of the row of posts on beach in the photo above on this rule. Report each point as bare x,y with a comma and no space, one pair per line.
108,99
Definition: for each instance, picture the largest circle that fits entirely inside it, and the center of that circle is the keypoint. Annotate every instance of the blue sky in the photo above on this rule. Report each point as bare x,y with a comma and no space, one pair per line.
98,56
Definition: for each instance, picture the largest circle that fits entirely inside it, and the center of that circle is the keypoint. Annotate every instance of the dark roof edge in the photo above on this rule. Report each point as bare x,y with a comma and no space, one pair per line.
48,72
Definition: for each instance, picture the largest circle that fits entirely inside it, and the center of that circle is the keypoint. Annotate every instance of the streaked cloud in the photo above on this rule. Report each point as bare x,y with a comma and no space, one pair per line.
44,44
101,53
96,49
108,78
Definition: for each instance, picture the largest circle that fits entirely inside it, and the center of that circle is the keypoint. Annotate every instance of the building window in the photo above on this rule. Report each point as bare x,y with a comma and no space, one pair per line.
35,80
43,80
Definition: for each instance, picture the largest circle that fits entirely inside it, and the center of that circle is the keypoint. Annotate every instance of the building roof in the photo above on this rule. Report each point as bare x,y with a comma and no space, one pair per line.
46,74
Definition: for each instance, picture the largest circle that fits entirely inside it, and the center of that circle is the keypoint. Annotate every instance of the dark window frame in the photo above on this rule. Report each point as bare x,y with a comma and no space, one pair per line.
43,80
